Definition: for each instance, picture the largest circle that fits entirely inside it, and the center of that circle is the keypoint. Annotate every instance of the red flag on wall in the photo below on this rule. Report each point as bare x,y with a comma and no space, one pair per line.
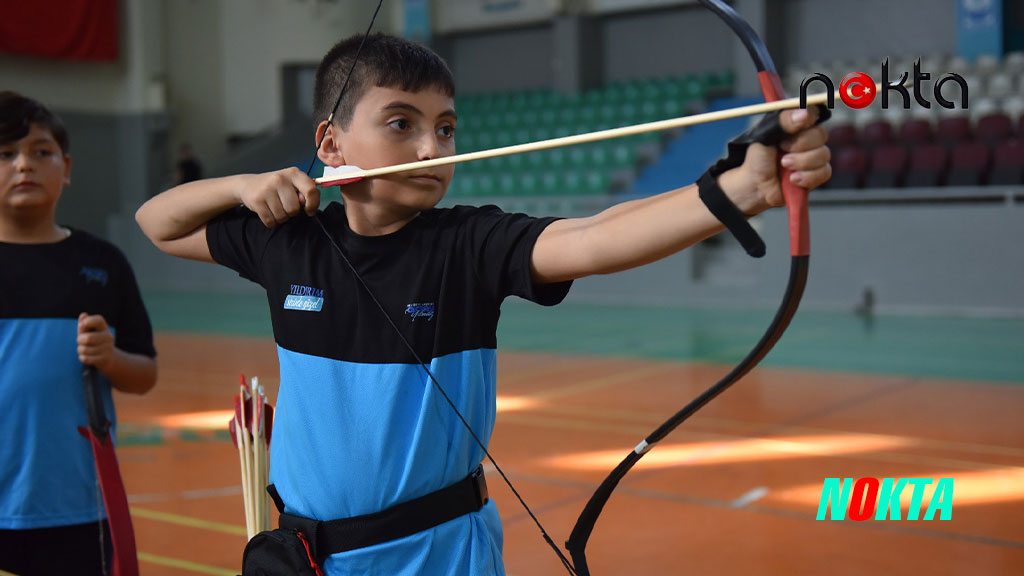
60,29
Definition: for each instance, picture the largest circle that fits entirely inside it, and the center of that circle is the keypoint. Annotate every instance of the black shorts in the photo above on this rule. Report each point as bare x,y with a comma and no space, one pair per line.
55,551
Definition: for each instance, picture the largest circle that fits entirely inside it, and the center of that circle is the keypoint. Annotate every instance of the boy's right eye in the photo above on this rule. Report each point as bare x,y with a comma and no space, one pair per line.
401,124
6,154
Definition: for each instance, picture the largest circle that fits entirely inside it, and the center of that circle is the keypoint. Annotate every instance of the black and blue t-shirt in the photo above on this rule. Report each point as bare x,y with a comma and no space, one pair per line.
46,467
359,426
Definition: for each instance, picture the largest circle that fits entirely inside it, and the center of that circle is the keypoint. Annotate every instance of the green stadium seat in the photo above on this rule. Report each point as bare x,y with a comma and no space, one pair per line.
535,161
578,157
597,182
557,159
529,184
465,141
504,138
541,132
623,155
537,99
508,184
460,185
485,185
549,183
672,109
515,162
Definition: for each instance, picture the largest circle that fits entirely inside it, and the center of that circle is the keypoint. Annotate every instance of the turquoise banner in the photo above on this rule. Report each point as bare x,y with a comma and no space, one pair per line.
417,20
979,28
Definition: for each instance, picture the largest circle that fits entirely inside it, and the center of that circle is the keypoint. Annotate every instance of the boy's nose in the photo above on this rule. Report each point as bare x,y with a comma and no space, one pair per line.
22,163
429,148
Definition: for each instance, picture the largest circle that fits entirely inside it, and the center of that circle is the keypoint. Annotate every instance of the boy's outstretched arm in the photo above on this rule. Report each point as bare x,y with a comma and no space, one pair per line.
176,220
642,231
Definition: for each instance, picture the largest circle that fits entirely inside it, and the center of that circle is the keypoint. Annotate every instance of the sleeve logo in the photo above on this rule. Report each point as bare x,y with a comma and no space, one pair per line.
97,275
420,310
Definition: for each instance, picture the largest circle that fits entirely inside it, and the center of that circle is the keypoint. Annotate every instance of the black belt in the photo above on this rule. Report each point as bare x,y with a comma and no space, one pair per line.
405,519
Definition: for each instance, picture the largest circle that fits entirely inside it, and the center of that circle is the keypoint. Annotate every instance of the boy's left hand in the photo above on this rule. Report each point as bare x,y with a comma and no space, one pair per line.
95,342
755,186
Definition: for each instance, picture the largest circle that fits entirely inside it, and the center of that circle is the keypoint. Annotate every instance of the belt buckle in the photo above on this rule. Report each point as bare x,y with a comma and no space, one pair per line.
480,485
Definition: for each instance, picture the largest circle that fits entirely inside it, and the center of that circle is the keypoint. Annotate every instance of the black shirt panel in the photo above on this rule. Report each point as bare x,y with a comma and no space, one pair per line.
440,279
81,273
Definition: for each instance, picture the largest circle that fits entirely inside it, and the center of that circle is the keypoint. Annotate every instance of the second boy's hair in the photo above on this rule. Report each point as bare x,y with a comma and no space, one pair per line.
385,61
18,114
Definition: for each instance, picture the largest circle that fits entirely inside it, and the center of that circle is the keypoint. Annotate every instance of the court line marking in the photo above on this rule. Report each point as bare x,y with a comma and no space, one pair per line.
750,497
186,565
186,495
625,376
189,521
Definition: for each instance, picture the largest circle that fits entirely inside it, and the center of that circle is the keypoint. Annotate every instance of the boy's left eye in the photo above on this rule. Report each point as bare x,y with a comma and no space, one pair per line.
448,131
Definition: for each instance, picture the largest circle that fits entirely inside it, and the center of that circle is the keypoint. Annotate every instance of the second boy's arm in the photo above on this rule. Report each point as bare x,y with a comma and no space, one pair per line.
126,371
635,233
176,220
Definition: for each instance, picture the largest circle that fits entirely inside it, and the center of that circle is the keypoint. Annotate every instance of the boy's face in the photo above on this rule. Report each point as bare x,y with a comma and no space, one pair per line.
33,171
390,126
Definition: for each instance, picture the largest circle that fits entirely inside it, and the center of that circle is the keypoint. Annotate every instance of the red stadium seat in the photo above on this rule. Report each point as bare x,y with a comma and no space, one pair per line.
915,132
842,136
1008,164
952,131
888,167
927,166
876,133
993,128
848,168
968,165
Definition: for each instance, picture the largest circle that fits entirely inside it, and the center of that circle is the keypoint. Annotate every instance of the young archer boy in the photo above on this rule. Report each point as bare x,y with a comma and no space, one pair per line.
360,427
67,298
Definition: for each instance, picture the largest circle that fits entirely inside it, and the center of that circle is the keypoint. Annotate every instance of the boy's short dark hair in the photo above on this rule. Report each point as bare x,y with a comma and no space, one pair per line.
18,114
385,61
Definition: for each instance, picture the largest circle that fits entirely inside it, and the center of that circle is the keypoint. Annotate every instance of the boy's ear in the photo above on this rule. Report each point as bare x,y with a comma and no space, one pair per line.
330,152
67,169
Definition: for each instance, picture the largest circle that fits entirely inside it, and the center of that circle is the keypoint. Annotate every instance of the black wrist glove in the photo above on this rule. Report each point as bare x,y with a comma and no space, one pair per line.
767,131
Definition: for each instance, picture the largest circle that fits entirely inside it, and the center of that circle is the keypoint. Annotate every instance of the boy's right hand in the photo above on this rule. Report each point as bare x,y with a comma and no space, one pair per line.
277,196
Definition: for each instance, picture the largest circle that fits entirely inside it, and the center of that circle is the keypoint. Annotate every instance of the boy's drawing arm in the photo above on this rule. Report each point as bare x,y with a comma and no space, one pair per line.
175,221
642,231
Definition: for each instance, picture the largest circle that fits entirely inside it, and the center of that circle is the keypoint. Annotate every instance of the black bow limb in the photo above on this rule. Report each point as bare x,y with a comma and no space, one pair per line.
796,205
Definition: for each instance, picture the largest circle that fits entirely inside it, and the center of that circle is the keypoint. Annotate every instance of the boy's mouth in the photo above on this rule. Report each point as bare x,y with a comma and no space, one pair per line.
425,177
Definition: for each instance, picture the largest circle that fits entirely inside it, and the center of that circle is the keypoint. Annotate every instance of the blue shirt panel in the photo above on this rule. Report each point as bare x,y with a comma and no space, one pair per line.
356,438
51,481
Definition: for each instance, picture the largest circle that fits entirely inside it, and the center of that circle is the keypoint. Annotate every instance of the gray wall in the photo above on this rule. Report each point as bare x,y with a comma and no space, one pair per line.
688,39
664,43
501,60
117,162
823,30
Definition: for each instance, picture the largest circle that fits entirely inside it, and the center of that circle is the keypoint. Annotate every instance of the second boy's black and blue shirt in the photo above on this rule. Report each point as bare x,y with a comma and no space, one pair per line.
359,426
46,467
